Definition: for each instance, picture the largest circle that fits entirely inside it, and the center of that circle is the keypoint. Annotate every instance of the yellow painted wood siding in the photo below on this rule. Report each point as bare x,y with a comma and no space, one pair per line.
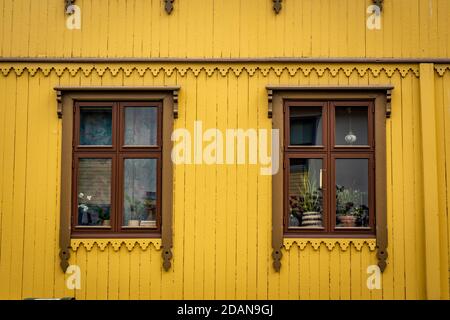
222,215
225,28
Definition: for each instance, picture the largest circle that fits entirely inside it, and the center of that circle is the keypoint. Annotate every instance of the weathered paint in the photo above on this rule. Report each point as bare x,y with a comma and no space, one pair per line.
222,216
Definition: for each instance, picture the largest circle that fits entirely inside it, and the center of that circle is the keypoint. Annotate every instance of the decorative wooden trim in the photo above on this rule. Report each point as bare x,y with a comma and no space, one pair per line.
175,103
382,110
59,109
116,244
379,94
168,6
388,103
116,88
330,244
291,69
67,96
387,89
277,6
441,69
123,89
331,88
270,106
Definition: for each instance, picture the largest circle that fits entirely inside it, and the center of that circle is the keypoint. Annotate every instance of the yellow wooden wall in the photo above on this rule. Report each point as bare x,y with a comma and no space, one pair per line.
225,28
222,215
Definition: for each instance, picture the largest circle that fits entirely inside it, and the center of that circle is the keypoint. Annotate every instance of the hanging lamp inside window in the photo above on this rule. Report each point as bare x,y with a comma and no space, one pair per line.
350,138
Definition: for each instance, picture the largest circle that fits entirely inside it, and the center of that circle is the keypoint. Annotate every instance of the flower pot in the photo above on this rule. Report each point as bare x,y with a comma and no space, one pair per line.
312,219
133,223
347,221
106,222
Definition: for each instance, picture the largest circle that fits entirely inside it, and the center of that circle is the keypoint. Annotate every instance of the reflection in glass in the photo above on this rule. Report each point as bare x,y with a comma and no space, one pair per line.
351,126
140,199
305,193
141,126
95,126
306,126
94,192
352,189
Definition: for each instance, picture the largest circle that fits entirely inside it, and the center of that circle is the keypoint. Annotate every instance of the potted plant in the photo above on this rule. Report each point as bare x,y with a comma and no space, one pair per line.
149,210
349,206
295,211
309,203
134,208
104,216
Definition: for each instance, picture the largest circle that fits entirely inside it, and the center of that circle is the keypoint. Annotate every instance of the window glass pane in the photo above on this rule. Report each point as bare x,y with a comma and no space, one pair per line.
95,126
141,126
305,193
306,126
352,190
351,126
140,193
94,192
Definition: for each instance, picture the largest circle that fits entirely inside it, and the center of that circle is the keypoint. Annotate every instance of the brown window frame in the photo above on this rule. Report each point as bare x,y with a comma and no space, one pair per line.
329,151
380,96
117,152
67,98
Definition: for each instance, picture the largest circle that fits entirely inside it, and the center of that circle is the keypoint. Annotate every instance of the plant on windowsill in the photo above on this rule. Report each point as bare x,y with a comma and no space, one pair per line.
149,212
310,203
134,211
349,207
104,216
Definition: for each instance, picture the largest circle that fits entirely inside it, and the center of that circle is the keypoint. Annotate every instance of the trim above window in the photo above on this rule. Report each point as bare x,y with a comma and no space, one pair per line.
66,98
381,97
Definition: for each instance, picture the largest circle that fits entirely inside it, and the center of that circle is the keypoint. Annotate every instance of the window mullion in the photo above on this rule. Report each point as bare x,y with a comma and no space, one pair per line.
330,134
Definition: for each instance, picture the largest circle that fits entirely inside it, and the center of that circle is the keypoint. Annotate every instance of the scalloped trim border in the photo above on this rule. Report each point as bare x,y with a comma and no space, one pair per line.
344,244
223,70
130,244
442,68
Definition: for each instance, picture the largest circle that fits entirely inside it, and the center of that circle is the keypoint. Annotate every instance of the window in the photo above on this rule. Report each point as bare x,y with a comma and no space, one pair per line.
117,168
329,168
333,150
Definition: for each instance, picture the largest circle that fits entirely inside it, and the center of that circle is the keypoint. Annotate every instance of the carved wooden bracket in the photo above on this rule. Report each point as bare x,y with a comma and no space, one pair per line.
277,6
388,102
175,104
270,106
378,3
277,255
168,6
68,3
64,255
59,108
167,255
382,256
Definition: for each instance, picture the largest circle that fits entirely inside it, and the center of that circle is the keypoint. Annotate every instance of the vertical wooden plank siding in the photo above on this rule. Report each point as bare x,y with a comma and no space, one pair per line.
141,28
430,180
221,212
